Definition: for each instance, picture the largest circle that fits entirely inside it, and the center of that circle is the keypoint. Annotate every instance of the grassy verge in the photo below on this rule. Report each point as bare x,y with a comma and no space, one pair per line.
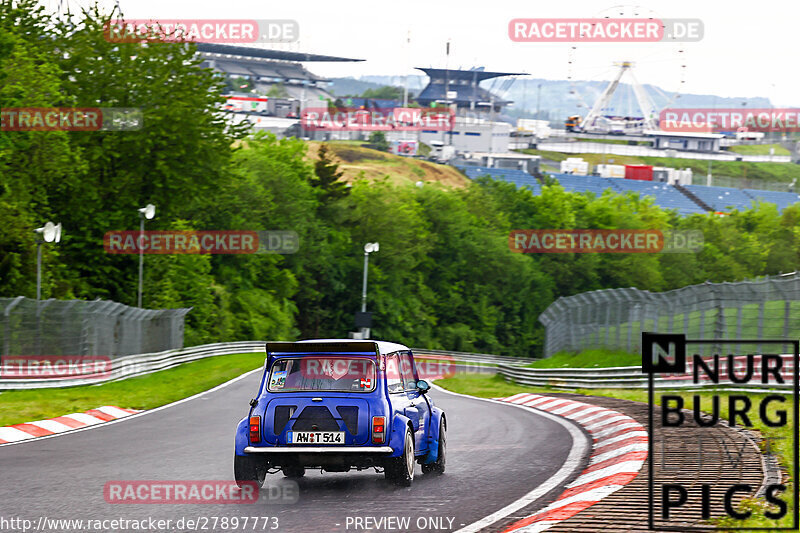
782,444
356,161
758,149
589,359
145,392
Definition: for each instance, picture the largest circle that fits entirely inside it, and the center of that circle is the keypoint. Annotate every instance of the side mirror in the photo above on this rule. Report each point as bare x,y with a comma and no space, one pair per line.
423,386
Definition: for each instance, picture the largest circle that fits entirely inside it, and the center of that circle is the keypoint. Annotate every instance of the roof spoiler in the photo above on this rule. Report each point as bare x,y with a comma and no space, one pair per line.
273,348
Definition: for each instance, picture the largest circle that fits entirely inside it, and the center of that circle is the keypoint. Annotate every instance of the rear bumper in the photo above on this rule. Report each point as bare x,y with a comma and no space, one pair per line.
318,449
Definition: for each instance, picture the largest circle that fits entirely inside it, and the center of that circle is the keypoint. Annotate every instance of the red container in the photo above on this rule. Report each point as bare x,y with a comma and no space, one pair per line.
639,172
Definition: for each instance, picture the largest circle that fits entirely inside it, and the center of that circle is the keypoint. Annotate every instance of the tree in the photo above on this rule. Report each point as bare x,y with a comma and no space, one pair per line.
378,140
386,92
176,160
277,91
327,177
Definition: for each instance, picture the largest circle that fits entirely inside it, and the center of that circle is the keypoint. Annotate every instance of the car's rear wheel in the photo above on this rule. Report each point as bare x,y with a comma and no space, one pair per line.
293,471
248,470
437,467
400,470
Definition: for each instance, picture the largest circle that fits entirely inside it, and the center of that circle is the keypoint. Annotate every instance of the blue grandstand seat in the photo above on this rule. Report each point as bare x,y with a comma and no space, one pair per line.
781,199
722,198
520,178
666,196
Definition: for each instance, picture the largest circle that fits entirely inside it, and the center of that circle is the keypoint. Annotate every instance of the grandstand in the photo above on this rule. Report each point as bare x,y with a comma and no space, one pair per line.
593,184
520,178
267,68
722,199
466,86
666,196
781,199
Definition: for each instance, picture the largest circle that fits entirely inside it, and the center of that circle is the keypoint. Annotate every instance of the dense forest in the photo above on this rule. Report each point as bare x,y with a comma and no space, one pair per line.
444,276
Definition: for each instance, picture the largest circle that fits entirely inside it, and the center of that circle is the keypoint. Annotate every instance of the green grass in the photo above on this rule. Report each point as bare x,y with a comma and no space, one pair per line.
588,358
783,172
145,392
497,387
758,149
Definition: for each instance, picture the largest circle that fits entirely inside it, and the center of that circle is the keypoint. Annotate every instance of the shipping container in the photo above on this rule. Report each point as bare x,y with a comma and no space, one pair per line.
575,165
610,171
639,172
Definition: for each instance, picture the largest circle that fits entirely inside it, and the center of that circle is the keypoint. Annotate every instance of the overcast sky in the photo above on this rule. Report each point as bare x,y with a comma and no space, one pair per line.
749,48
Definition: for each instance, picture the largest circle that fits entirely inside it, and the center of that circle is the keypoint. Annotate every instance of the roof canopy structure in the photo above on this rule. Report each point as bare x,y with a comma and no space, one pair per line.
465,85
264,53
267,67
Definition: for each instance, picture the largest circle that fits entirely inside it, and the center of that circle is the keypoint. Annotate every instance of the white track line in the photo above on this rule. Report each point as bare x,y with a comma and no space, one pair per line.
9,436
580,443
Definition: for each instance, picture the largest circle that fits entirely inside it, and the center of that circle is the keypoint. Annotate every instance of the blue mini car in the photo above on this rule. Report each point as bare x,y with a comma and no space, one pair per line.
339,405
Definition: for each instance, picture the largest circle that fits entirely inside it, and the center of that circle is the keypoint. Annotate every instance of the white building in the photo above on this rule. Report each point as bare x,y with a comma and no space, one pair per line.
685,141
472,135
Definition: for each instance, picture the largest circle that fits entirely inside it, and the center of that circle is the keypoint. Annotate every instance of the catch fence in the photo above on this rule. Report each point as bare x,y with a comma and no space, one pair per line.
91,328
614,319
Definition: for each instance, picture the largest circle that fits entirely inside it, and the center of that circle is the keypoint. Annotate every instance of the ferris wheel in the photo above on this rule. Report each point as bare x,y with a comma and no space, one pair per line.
606,93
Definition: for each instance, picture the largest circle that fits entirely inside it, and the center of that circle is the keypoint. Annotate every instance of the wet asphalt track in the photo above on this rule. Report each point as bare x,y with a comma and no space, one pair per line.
496,453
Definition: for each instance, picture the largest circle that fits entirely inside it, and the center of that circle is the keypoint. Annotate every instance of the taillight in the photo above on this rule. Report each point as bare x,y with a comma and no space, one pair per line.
255,429
378,429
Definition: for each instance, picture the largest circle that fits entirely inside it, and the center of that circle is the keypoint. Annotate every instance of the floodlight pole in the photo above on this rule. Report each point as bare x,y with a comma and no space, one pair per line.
141,258
538,97
38,274
364,285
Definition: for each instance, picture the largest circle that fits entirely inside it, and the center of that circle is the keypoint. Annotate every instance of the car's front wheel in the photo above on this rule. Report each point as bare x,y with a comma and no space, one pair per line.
248,470
437,467
400,470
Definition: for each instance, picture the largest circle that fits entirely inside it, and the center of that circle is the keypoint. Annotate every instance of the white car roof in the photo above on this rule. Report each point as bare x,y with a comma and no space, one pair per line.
384,347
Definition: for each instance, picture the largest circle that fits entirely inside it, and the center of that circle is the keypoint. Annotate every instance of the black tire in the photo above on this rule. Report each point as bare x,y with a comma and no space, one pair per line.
249,469
437,467
400,470
294,471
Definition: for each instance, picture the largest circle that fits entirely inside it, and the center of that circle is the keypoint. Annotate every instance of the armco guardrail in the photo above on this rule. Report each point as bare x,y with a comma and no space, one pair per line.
474,357
631,377
137,365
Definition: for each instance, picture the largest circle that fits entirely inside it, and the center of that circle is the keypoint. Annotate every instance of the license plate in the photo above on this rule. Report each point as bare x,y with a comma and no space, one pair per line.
316,437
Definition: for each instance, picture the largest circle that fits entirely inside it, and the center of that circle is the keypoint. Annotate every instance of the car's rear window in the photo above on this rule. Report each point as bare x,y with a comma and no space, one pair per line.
322,373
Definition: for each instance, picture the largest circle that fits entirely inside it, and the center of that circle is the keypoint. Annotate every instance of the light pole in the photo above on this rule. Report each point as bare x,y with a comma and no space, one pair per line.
368,249
50,233
146,212
538,97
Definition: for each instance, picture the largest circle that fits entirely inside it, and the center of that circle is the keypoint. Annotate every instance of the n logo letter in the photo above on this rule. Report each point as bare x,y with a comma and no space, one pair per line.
663,353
